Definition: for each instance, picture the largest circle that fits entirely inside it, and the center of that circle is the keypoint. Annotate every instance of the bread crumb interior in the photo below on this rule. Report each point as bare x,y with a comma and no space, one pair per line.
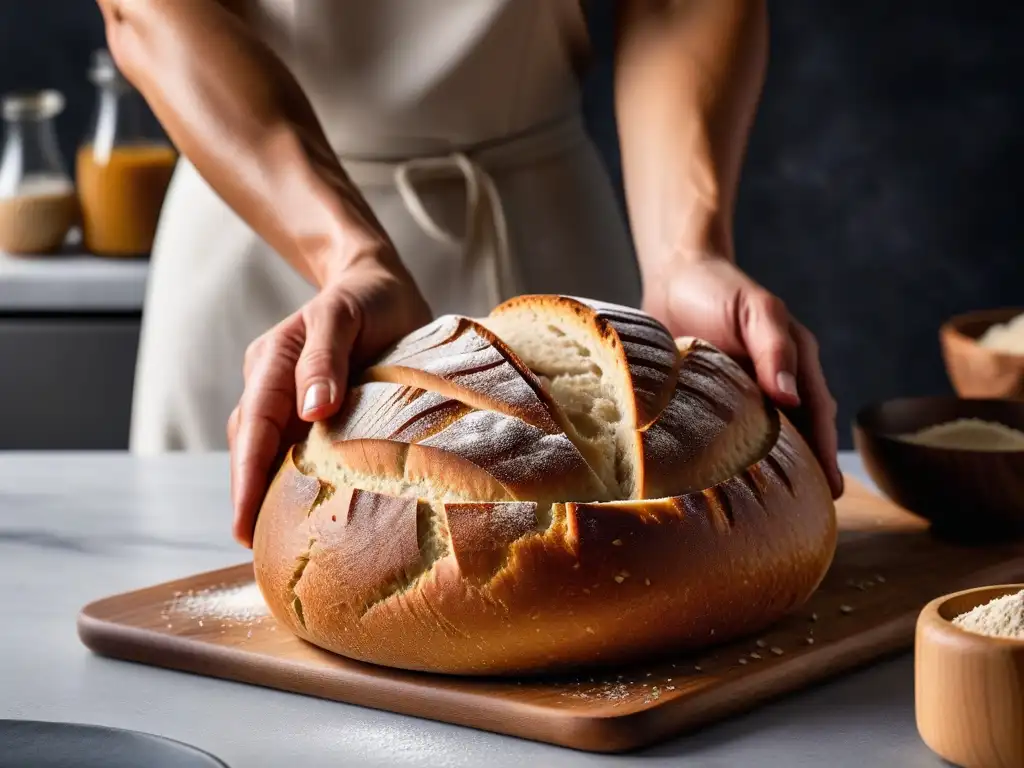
574,374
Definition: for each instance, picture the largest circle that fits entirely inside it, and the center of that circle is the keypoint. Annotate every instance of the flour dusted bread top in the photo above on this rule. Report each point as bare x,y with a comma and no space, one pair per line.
559,483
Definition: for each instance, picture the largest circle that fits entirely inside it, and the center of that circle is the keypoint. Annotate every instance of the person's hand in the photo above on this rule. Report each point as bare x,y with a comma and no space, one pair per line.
296,373
711,298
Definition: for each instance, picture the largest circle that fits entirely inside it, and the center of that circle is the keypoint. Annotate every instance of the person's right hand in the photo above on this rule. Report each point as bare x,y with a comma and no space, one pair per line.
296,373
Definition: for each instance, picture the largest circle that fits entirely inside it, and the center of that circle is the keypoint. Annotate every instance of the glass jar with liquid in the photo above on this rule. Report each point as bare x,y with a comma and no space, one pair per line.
123,167
38,206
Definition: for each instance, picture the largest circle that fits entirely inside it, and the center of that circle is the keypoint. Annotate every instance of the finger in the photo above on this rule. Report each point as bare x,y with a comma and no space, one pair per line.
232,427
258,443
321,374
232,430
252,353
264,412
765,329
821,406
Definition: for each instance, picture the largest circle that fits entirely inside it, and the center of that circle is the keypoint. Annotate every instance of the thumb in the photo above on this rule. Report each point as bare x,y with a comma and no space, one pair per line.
321,373
764,325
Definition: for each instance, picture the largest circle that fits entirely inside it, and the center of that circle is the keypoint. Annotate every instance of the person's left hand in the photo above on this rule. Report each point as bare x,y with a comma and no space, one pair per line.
711,298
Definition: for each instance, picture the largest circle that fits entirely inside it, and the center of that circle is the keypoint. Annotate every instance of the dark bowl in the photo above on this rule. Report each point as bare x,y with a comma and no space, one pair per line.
967,495
973,370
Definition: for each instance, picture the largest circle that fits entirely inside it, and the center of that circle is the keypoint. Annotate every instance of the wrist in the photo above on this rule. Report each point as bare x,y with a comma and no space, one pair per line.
706,237
328,225
349,246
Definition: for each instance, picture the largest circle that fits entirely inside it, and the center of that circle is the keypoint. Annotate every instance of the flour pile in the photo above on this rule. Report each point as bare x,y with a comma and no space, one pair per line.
1005,337
1002,617
969,435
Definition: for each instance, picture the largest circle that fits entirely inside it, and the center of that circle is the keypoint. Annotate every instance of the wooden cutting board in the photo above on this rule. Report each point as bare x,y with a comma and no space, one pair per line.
886,569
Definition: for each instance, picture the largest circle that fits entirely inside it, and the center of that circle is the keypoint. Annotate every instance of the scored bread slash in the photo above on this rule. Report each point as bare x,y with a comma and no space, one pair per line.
468,507
462,360
713,389
639,349
480,534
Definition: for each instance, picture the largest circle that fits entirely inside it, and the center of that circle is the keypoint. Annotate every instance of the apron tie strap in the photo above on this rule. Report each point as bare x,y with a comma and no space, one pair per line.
486,235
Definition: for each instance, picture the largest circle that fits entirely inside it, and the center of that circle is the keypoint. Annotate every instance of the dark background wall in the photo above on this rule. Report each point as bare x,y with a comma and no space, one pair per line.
48,44
880,194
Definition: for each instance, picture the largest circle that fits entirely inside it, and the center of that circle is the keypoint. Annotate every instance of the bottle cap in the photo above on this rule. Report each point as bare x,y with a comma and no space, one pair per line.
103,70
33,105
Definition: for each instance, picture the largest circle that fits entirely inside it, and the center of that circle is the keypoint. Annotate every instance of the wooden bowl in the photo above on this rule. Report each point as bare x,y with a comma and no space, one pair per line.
969,688
967,495
975,371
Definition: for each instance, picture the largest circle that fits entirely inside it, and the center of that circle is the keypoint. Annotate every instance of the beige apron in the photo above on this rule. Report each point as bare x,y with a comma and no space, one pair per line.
459,120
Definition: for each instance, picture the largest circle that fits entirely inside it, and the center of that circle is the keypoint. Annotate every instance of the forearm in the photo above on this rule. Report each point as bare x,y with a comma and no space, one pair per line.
234,110
688,77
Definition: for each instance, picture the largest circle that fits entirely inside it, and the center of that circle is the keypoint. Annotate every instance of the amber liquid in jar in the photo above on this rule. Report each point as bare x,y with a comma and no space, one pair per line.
121,196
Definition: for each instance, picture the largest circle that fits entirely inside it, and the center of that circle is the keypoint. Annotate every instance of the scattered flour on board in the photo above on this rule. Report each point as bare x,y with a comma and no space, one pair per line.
609,691
1002,617
241,604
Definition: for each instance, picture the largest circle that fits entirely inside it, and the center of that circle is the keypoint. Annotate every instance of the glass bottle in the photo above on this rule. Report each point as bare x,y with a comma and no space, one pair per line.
124,166
37,197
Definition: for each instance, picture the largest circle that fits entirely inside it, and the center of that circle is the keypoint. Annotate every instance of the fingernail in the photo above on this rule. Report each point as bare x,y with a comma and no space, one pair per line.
317,396
786,382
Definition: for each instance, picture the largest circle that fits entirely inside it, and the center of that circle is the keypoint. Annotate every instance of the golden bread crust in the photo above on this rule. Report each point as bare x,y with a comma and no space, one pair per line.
427,528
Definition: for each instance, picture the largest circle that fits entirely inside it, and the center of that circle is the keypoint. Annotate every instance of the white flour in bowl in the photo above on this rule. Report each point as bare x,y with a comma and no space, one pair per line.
969,435
1002,617
1005,337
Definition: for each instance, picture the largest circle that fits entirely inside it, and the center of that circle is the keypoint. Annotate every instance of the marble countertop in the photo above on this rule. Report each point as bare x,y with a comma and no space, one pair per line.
71,282
77,527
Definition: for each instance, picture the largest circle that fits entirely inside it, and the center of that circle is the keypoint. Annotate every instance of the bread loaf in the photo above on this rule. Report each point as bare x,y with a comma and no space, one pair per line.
559,484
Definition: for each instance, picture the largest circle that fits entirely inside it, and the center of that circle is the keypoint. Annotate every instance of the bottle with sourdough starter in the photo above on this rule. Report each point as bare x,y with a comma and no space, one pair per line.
38,206
124,167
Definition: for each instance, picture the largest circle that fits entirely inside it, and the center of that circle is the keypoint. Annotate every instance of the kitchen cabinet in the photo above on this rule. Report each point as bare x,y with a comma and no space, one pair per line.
69,333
